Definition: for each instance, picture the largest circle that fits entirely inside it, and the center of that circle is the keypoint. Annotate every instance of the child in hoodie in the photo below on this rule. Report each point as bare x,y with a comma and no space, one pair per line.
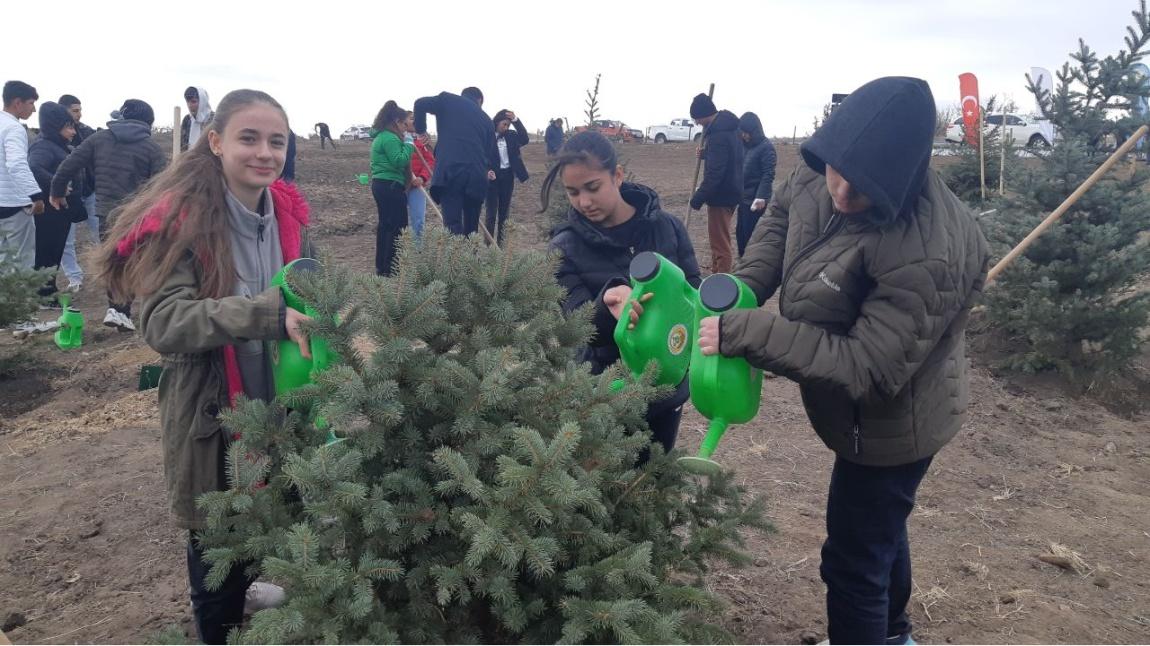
199,115
57,128
122,159
611,221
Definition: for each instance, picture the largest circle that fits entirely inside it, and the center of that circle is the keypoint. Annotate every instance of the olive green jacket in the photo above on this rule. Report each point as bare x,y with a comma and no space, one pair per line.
872,316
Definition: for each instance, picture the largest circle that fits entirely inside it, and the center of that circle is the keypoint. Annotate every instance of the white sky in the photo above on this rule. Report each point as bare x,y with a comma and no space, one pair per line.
338,61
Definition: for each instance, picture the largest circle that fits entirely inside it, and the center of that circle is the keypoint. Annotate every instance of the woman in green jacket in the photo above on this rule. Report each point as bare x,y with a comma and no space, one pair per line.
390,168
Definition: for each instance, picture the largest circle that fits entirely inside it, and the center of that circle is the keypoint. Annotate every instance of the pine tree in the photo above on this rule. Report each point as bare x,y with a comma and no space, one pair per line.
18,297
487,487
592,111
964,176
1072,299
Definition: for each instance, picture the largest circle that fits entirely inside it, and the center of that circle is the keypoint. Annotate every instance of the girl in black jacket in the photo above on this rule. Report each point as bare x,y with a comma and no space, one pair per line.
57,129
611,221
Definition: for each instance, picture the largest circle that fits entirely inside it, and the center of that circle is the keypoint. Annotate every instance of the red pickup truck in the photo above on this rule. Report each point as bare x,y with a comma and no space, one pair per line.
614,130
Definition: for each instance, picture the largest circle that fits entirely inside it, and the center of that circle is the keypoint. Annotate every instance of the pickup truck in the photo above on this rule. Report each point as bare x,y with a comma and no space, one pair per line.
679,130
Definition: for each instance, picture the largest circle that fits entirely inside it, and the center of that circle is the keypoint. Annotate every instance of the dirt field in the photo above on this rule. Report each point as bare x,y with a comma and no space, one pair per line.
87,553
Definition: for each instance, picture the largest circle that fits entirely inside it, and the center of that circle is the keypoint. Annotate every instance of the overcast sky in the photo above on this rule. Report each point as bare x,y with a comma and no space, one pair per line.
338,61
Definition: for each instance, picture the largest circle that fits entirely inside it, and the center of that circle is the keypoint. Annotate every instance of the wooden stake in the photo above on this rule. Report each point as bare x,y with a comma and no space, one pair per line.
176,125
1065,206
698,167
1002,161
981,153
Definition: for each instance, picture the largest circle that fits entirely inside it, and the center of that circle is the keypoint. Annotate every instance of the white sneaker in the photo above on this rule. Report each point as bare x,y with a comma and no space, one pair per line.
28,328
74,286
118,320
261,596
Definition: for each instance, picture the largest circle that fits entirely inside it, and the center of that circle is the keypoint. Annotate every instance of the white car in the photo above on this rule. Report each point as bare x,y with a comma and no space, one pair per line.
677,130
1024,130
356,132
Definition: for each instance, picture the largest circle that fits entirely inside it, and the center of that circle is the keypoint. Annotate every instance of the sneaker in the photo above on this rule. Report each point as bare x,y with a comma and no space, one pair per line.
118,320
74,286
28,328
261,596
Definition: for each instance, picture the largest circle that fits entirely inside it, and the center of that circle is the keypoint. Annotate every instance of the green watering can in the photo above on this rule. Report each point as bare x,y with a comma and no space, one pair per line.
725,390
290,369
70,334
364,178
666,328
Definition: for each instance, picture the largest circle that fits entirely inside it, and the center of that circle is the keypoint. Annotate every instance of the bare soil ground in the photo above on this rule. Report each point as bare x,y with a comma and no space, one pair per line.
87,553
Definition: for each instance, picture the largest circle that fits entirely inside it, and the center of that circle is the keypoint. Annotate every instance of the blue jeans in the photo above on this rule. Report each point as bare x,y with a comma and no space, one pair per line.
416,210
68,262
866,557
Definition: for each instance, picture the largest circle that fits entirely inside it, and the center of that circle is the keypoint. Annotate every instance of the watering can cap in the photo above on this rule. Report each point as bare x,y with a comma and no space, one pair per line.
644,266
719,292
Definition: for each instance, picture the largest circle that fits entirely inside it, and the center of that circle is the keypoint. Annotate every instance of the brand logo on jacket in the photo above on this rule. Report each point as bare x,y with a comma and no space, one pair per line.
828,282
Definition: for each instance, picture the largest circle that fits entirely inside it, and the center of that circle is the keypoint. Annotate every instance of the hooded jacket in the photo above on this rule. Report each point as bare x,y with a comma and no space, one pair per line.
464,146
873,305
196,338
193,126
723,155
122,159
50,149
759,161
595,259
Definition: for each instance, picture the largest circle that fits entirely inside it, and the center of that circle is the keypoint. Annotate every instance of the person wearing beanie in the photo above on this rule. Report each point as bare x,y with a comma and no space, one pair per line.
122,158
464,150
87,189
57,129
722,186
758,177
199,115
876,264
509,166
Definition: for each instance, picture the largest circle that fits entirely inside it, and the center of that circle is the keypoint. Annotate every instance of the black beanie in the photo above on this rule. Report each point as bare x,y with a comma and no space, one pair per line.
702,106
135,110
68,100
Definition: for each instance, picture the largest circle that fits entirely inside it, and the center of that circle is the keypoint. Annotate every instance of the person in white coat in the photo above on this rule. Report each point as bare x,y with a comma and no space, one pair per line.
20,196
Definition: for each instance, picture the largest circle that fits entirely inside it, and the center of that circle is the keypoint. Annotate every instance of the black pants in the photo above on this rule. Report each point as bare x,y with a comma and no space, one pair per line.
322,138
745,226
866,557
216,612
499,202
460,212
391,202
52,228
105,229
664,429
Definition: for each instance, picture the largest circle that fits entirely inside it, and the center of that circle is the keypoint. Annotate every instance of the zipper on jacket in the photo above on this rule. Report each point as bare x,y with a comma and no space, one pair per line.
856,432
832,228
260,232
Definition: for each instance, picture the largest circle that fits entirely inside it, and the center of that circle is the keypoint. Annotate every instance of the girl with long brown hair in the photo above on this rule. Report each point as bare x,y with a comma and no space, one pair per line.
200,246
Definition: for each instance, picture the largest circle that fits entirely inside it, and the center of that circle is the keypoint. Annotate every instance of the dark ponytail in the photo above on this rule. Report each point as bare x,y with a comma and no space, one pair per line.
387,117
589,148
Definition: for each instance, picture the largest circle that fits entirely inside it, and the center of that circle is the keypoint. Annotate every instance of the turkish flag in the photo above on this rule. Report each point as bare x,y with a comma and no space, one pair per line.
971,109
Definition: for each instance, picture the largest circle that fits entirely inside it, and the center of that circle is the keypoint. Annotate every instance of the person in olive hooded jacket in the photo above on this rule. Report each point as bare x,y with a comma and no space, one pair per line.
877,265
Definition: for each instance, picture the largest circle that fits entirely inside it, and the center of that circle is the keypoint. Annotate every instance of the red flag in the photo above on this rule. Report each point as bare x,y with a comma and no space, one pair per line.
971,109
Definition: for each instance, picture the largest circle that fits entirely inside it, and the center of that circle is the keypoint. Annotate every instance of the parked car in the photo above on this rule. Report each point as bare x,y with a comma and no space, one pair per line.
1025,130
615,130
677,130
356,132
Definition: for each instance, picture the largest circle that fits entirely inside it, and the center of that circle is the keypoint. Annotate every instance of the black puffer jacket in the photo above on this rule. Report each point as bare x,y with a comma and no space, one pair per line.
723,158
593,261
122,158
760,160
50,149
